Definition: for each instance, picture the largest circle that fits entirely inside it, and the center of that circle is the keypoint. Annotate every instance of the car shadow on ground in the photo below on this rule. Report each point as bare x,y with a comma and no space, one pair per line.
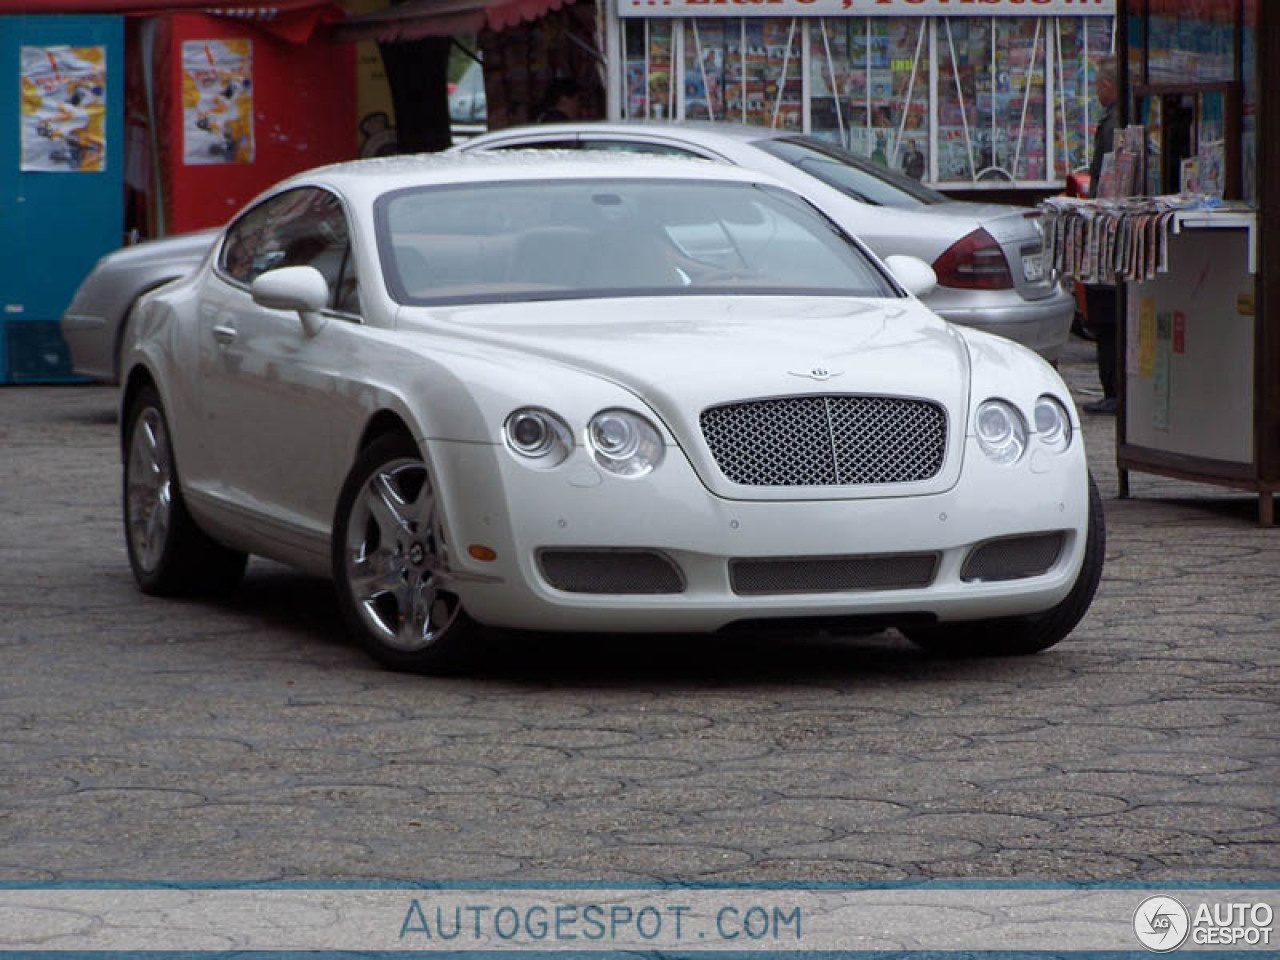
283,599
799,659
303,611
108,417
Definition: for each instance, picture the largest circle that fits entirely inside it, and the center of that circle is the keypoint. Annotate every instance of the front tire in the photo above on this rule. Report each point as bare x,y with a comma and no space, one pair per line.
391,563
169,554
1020,636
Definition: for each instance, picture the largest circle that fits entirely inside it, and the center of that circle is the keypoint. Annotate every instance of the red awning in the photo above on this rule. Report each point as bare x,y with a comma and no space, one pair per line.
414,20
147,6
512,12
441,18
292,20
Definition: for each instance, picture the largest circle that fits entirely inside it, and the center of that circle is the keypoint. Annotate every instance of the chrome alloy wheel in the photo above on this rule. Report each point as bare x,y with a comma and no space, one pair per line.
396,559
150,488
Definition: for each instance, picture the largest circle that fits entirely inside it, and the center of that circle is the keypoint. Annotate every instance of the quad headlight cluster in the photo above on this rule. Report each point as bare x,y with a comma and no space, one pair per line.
620,441
1002,430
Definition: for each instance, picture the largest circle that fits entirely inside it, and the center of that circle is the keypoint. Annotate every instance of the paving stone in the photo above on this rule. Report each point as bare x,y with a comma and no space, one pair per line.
886,847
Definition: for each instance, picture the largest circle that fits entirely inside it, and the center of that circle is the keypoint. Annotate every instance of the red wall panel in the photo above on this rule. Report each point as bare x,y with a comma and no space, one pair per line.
303,111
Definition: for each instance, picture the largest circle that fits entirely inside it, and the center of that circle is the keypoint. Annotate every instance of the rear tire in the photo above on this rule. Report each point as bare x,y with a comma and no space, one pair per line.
169,554
391,564
1020,636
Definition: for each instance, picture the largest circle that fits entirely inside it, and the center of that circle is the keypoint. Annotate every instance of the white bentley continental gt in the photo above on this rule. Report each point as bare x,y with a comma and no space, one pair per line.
595,393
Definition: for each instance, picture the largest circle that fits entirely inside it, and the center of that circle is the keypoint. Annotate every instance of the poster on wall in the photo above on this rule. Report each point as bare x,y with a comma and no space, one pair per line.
217,101
64,109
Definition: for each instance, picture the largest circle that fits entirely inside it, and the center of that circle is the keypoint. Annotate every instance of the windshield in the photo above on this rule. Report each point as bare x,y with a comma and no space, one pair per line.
557,239
852,175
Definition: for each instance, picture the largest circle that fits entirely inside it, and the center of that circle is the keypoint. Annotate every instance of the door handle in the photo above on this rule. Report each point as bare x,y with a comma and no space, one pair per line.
224,334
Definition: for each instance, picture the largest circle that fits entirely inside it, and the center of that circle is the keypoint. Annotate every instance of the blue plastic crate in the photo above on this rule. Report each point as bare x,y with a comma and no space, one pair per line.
35,352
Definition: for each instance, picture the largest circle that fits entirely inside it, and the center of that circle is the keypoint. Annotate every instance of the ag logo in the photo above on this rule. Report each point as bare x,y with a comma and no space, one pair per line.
1161,923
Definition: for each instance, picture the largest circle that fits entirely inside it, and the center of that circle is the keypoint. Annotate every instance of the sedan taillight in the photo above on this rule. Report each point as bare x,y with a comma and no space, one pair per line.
974,262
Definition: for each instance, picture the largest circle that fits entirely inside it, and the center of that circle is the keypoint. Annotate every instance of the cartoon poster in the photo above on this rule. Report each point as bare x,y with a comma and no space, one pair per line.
64,109
1147,327
217,101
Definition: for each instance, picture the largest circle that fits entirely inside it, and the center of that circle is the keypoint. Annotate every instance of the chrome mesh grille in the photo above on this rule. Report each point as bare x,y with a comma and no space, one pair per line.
610,571
832,574
827,440
1013,558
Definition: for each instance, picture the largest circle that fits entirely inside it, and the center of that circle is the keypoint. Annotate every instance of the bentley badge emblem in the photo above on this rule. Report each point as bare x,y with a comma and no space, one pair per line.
817,373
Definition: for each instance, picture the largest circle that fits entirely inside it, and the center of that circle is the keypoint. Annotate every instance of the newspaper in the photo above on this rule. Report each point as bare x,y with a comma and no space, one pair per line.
1108,240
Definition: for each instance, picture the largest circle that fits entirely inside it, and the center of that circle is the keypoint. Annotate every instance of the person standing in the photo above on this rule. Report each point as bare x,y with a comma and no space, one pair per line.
561,102
913,164
1100,300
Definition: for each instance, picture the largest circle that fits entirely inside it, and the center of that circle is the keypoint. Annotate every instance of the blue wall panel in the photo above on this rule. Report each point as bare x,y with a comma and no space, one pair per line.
53,225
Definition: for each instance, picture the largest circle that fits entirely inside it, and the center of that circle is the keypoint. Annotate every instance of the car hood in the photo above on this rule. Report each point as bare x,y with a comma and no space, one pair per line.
681,355
704,350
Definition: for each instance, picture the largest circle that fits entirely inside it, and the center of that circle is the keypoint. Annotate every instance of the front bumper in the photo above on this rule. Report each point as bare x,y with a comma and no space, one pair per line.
492,500
1041,325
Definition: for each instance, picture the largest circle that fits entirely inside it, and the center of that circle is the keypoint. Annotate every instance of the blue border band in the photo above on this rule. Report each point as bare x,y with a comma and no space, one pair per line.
408,884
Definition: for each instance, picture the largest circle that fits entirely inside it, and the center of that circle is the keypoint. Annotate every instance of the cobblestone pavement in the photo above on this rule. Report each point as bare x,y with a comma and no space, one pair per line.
151,739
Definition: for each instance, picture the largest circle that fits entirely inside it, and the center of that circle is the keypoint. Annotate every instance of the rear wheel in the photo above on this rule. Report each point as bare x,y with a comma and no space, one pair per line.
391,563
1018,636
169,554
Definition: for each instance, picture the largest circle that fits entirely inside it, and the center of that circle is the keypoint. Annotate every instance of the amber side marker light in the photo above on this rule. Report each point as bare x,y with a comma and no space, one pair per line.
483,553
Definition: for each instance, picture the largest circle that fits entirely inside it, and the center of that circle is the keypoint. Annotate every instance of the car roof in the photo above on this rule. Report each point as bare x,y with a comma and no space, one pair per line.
380,174
697,131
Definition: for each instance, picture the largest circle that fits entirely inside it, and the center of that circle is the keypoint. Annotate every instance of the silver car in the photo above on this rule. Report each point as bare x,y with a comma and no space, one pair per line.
989,258
93,325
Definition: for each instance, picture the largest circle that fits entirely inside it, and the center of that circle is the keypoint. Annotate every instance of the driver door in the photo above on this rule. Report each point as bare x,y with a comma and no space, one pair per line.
268,389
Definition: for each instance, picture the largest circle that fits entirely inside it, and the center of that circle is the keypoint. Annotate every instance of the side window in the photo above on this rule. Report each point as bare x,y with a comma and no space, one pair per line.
304,227
640,146
539,145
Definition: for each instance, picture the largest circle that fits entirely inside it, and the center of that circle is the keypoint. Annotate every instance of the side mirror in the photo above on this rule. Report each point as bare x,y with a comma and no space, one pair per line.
913,273
303,289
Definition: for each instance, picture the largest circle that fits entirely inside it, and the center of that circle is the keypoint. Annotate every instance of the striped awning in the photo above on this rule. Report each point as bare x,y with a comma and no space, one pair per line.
291,20
441,18
157,6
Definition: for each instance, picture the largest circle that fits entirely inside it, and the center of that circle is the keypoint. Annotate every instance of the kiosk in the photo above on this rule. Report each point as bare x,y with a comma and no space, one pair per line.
1200,343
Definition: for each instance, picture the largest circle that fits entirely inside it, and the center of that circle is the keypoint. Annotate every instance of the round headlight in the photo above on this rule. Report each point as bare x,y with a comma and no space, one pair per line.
624,443
1053,424
1001,431
539,436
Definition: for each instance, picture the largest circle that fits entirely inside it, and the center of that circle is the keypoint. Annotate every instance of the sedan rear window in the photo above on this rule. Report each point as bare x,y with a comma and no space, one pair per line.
559,239
853,176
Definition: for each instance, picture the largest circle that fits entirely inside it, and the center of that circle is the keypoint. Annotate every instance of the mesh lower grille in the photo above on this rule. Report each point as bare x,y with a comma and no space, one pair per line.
1013,558
832,574
827,440
610,571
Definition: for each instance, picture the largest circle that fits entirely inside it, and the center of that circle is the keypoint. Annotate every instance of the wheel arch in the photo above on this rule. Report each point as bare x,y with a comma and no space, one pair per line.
139,378
122,327
383,422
